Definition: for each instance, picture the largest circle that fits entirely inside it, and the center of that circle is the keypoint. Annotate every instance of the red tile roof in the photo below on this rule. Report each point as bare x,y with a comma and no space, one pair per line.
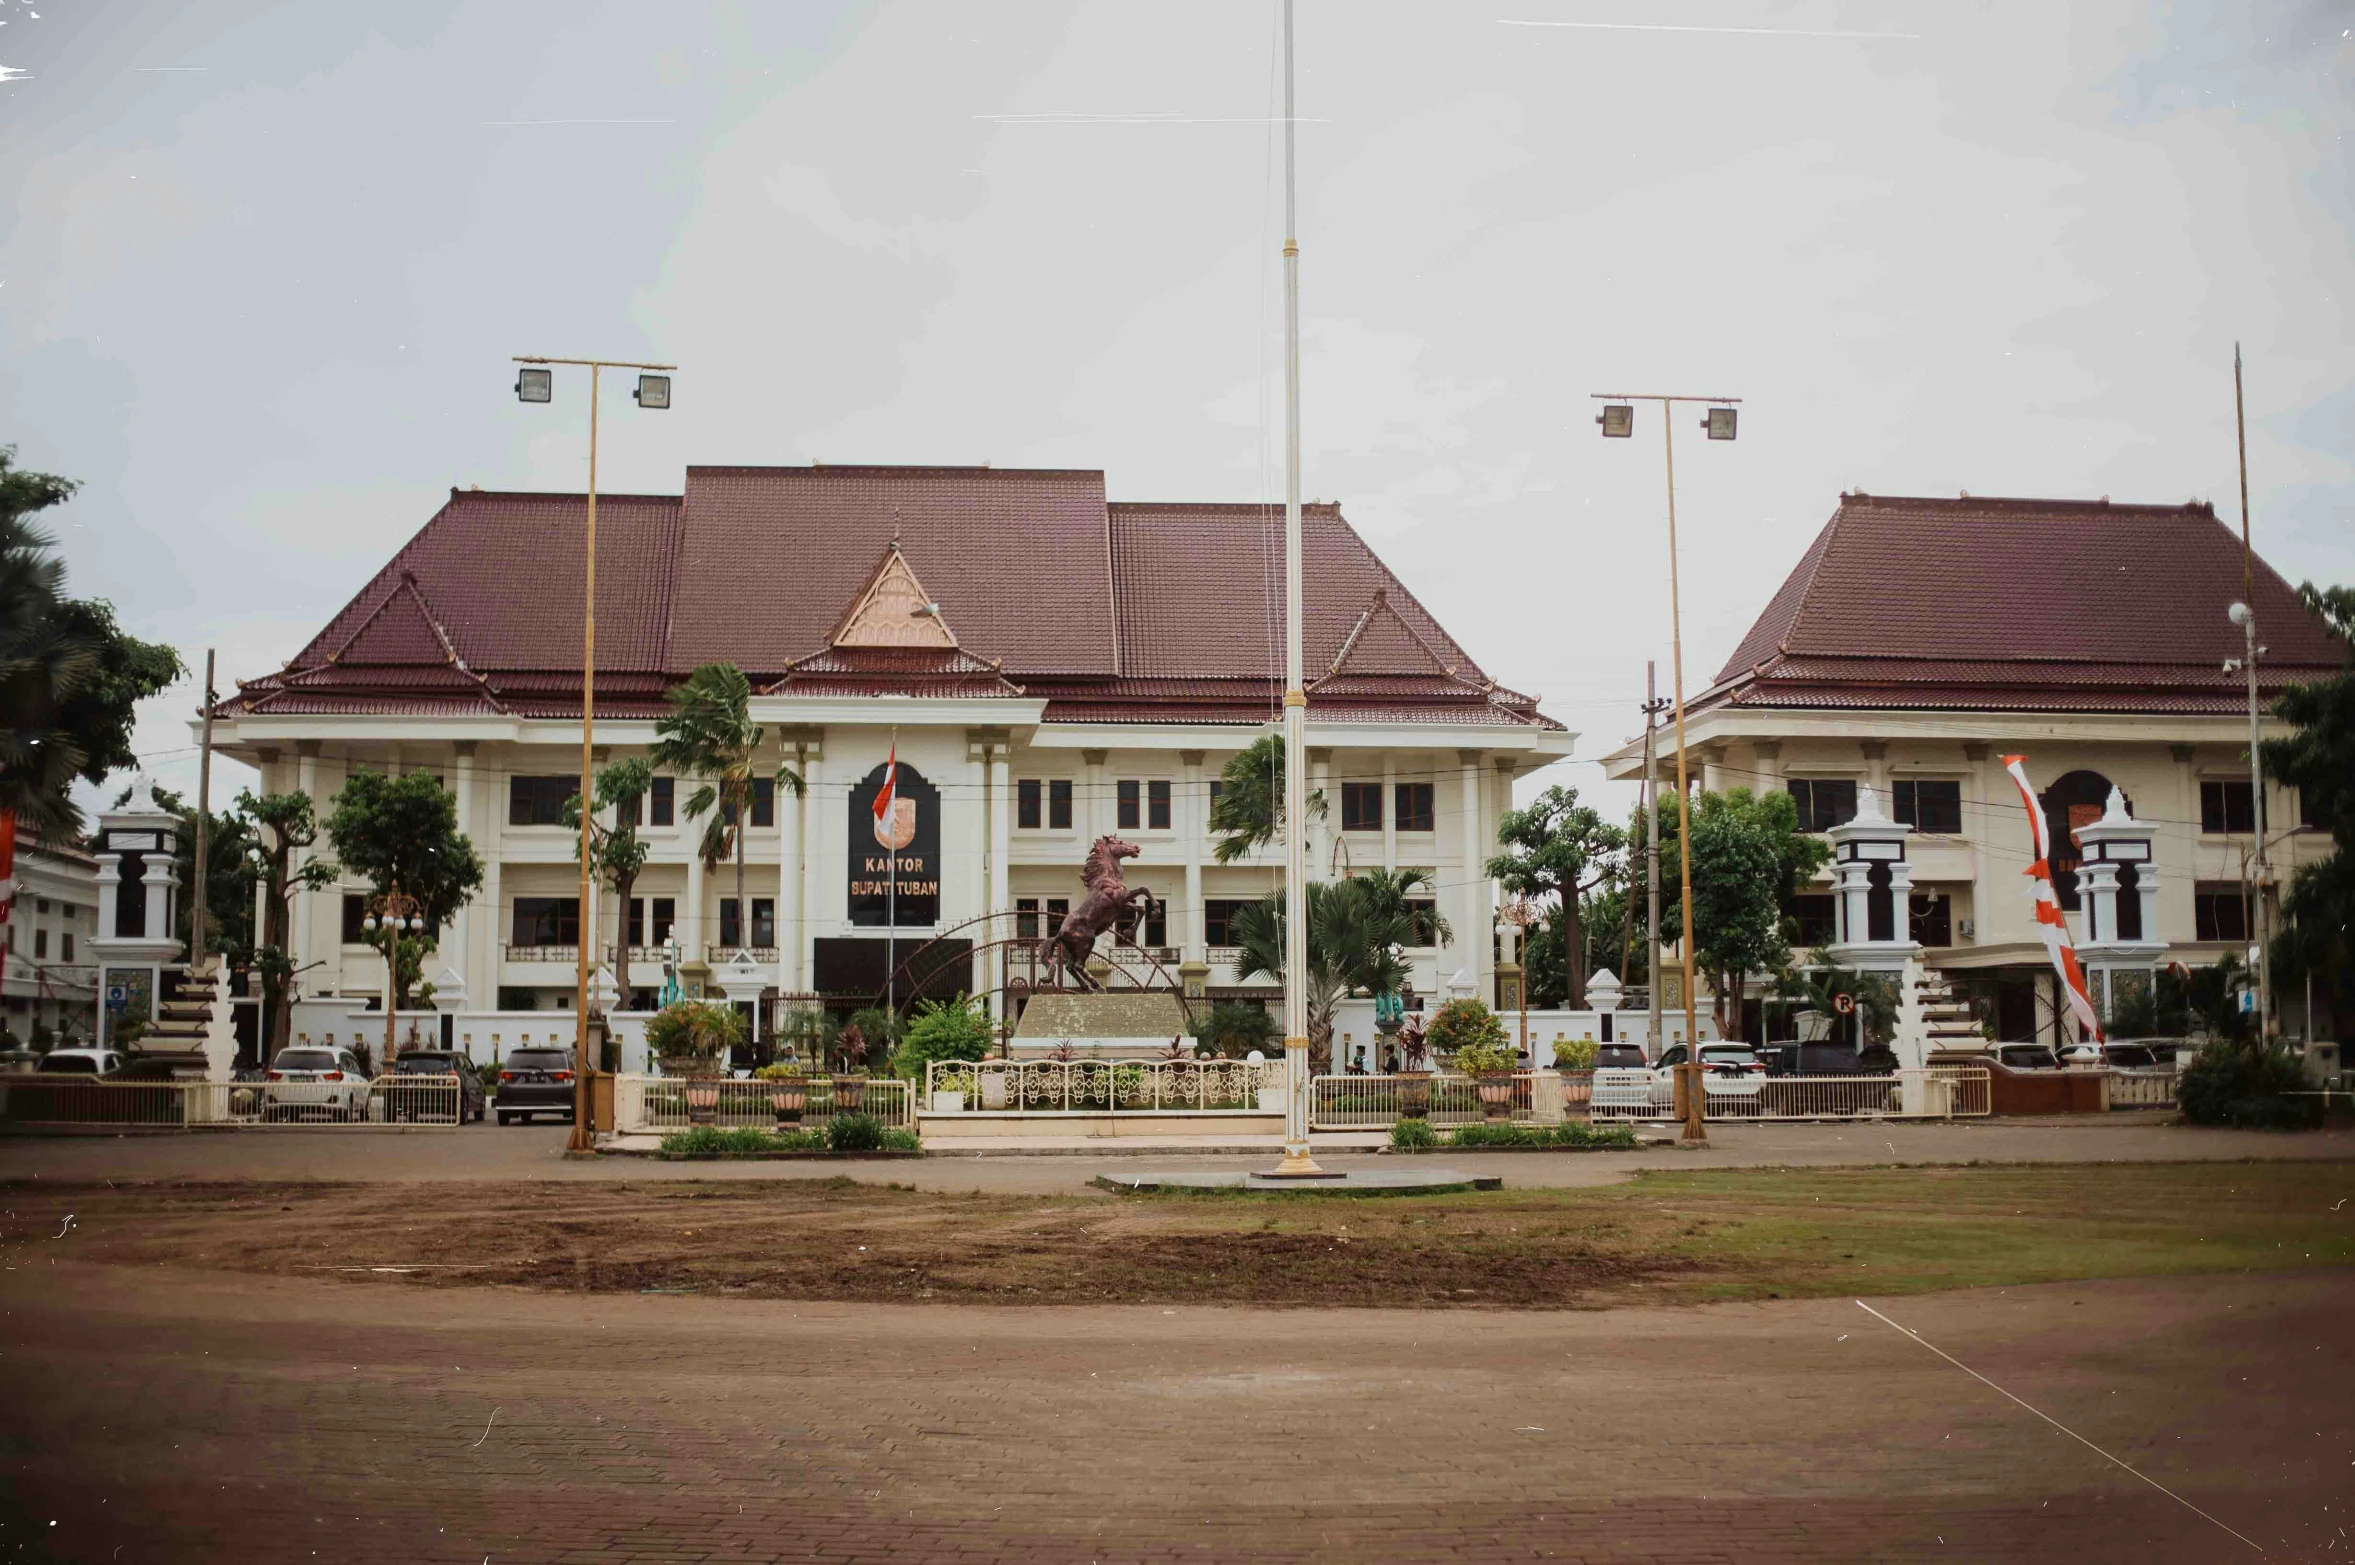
1111,612
2019,605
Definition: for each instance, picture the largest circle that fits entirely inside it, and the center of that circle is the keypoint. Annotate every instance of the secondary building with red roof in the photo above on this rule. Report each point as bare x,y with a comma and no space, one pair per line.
1054,665
1918,641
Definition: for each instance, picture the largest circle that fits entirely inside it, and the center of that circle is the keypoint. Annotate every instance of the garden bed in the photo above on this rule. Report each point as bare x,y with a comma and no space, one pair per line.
1414,1135
849,1136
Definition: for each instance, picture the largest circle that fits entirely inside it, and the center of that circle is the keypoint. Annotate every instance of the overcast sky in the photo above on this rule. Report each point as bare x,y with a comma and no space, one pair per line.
262,267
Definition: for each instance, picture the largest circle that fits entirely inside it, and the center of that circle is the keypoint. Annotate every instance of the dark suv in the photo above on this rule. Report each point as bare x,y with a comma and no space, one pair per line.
535,1081
431,1098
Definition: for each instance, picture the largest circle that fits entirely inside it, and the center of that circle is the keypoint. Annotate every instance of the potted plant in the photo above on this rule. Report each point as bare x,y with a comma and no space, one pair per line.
688,1037
1470,1033
788,1090
1574,1062
850,1060
1414,1082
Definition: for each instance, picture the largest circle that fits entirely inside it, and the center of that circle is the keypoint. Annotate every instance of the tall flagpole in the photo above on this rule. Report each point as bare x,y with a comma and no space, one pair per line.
891,897
1296,1162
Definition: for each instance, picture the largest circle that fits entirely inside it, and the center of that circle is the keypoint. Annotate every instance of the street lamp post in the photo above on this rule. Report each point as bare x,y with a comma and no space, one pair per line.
1618,421
394,911
653,391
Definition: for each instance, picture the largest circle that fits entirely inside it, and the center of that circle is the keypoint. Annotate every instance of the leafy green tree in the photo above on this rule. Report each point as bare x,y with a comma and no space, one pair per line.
1231,1029
617,854
943,1030
2318,759
709,734
1749,860
1558,847
279,826
70,680
1249,811
1355,931
404,831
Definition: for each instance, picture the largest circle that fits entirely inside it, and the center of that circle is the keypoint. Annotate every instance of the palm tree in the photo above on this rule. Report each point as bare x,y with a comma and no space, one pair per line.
709,734
42,665
1355,930
617,854
1249,812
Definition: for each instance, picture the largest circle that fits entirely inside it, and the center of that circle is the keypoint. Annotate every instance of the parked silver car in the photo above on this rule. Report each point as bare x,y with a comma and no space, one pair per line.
315,1083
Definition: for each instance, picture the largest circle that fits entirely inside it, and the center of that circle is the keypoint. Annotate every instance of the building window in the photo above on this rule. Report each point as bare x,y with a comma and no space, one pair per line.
2219,913
1157,806
2227,807
1026,918
1027,814
636,935
1361,806
355,918
41,945
2309,814
1824,802
663,802
67,940
41,905
547,921
1930,806
1218,919
1059,804
1932,922
1414,806
1036,921
666,918
1154,928
764,921
539,801
1131,795
764,801
731,922
1817,919
1422,915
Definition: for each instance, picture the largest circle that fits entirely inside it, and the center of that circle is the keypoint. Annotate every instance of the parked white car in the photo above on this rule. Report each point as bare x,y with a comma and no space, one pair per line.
80,1062
306,1083
1733,1072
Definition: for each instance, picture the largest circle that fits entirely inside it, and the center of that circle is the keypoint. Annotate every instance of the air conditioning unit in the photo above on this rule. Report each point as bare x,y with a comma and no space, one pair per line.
1970,931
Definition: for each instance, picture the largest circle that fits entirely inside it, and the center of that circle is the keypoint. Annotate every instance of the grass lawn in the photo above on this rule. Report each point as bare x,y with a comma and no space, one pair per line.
1663,1238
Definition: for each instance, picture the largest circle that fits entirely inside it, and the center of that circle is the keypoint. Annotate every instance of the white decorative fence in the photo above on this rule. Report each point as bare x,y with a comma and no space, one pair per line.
2143,1089
1377,1102
47,1101
1946,1092
655,1104
1104,1086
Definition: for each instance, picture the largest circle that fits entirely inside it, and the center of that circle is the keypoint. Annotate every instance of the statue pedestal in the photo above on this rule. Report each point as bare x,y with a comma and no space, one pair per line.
1122,1025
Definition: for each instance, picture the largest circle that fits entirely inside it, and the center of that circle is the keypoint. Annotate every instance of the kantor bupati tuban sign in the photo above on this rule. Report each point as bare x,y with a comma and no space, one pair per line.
914,827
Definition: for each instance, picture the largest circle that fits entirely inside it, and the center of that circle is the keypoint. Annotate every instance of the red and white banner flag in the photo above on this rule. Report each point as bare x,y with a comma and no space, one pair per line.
887,802
2051,922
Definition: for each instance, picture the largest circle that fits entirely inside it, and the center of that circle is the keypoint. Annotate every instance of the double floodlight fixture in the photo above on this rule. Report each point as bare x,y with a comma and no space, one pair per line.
535,385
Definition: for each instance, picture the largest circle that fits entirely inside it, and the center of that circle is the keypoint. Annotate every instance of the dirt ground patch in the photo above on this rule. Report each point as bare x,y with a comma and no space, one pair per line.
1665,1238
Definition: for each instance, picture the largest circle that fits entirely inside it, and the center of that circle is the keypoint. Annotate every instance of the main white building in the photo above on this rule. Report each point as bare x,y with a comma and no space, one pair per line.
1052,665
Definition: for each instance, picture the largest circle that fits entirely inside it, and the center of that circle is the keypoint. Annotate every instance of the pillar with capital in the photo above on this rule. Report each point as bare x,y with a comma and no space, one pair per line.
2118,881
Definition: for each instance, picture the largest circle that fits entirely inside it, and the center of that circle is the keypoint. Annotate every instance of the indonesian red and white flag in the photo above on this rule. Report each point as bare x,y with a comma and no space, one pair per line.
887,802
2051,922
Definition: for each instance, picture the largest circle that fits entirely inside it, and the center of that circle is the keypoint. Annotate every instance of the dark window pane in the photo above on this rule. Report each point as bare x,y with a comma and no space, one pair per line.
1157,806
1815,914
1930,805
1361,806
764,921
1026,918
1026,804
547,921
1218,919
2227,807
539,801
666,916
355,919
637,935
1059,804
2219,915
730,921
764,801
664,800
1130,794
1932,921
1423,917
1415,806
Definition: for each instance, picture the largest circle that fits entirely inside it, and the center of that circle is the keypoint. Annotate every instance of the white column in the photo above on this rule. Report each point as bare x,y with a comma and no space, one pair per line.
1981,825
1001,851
1472,928
1876,767
1767,768
812,824
792,807
1094,810
1194,822
1390,811
691,916
459,937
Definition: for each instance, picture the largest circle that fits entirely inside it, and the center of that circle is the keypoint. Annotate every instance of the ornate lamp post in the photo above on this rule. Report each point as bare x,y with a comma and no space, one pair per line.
1522,914
395,912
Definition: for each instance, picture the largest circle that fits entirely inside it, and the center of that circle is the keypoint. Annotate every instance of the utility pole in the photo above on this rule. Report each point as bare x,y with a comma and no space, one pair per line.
1653,706
2244,614
199,907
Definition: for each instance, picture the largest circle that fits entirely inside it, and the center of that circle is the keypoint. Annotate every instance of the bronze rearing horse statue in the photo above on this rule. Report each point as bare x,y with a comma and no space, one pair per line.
1109,903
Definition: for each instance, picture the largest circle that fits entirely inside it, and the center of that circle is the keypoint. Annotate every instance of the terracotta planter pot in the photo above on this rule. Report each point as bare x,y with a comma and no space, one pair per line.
703,1102
788,1100
1414,1096
1496,1095
850,1094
